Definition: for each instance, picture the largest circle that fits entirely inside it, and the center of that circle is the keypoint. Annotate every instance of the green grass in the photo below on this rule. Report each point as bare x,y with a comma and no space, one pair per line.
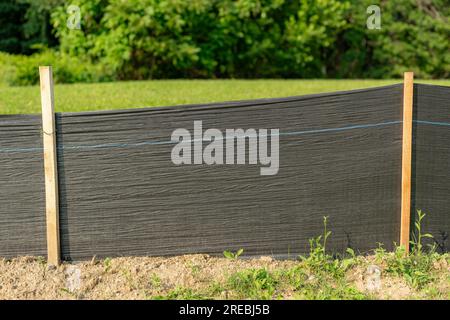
308,281
135,94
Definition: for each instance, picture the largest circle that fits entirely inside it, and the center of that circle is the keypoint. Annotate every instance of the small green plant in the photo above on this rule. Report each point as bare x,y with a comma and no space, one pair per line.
131,281
195,269
416,244
67,291
217,288
41,260
317,246
233,255
155,281
319,261
380,252
107,263
253,284
415,266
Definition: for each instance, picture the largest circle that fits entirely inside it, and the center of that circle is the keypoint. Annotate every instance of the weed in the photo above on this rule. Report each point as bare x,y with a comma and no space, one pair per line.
330,291
41,260
262,284
319,262
195,268
155,281
253,284
417,245
415,267
217,288
107,263
233,255
129,279
68,292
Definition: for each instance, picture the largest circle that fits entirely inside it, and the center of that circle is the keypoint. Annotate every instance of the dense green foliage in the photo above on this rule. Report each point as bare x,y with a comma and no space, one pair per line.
11,18
22,70
25,25
203,38
146,39
414,34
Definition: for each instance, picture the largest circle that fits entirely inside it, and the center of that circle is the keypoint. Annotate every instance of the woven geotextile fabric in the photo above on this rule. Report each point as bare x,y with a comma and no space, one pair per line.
339,156
260,175
431,163
22,193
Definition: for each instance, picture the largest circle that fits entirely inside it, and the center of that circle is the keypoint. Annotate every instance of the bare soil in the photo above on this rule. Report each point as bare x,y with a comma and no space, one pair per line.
149,277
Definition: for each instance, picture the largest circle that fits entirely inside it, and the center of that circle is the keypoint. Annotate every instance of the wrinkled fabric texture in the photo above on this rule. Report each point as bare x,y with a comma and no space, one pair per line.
121,195
431,162
22,192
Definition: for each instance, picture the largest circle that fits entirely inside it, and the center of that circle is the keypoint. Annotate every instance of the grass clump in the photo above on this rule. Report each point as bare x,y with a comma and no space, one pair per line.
254,284
416,267
317,276
322,276
326,275
319,261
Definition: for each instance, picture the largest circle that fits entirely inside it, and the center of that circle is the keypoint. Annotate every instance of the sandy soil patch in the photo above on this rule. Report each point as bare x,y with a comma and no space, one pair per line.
148,277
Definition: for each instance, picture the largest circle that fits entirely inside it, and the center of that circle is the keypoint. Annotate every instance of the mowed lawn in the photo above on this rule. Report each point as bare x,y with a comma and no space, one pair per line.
135,94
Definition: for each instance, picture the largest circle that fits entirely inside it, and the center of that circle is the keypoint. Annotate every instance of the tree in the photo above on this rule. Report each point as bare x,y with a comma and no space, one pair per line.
11,20
414,35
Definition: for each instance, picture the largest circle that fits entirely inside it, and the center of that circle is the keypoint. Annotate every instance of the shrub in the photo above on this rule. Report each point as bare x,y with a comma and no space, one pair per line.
23,70
201,38
414,35
6,67
146,39
259,38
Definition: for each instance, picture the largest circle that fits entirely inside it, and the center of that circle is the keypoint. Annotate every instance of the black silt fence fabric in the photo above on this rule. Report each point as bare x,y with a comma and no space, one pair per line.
431,162
340,156
22,193
120,193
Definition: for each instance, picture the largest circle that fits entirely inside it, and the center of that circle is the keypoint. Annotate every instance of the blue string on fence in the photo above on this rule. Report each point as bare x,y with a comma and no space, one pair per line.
124,145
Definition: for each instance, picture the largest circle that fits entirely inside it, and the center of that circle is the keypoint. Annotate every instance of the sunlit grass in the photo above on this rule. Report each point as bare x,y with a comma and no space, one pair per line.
135,94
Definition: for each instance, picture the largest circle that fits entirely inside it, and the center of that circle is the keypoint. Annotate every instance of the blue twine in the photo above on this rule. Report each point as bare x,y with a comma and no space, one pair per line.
124,145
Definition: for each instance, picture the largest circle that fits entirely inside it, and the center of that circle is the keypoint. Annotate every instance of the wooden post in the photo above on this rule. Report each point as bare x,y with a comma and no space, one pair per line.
50,165
408,88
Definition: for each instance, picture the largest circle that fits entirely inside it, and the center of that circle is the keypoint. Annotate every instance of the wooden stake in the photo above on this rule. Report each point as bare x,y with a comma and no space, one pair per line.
408,88
50,165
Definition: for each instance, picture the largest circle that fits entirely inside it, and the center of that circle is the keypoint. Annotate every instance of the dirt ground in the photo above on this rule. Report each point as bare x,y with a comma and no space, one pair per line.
148,277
